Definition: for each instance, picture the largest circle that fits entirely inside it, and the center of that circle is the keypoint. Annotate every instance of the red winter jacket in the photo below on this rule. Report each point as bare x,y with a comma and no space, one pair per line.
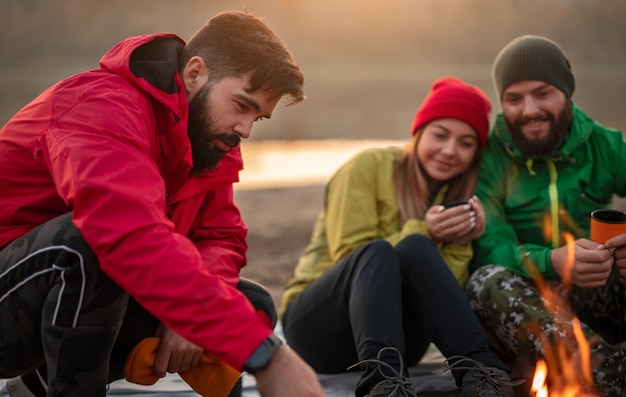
111,145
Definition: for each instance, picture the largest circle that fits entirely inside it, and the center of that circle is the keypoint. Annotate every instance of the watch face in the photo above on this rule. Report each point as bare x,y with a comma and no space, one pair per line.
261,357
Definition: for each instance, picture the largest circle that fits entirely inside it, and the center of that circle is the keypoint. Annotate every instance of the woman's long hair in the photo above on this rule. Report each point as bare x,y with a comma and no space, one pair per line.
411,183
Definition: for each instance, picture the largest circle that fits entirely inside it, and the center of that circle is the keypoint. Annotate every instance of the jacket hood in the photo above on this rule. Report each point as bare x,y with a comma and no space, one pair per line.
150,62
580,129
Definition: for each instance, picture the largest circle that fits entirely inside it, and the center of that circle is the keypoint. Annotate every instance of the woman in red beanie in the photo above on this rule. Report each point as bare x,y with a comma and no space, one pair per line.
382,276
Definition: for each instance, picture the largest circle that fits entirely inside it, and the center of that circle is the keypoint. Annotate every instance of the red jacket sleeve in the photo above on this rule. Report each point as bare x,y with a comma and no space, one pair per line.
213,222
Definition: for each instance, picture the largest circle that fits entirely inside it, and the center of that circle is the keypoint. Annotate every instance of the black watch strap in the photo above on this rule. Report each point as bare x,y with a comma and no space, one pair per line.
261,357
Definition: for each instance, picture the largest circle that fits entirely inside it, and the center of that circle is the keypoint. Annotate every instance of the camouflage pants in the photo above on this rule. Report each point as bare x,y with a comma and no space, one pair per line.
517,321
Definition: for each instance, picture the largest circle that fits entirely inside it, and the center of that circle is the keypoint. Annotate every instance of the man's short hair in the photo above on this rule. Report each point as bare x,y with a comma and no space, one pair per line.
233,44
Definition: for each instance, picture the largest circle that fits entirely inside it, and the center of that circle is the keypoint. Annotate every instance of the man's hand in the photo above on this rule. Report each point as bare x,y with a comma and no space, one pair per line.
176,354
457,225
588,263
619,244
287,375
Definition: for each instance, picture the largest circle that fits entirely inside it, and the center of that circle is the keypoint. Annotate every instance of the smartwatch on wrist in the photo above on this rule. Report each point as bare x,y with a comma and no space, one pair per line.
261,357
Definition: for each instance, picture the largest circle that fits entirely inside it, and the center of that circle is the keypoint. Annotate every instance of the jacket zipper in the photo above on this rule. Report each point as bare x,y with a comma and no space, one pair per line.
554,203
168,206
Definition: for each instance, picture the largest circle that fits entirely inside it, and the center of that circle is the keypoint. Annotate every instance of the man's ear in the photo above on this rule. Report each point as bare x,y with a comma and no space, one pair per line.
195,75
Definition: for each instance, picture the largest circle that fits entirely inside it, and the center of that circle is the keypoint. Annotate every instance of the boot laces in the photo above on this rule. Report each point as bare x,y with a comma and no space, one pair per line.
399,384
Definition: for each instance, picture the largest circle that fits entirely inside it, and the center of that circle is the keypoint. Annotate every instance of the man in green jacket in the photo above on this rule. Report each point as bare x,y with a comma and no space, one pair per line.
546,166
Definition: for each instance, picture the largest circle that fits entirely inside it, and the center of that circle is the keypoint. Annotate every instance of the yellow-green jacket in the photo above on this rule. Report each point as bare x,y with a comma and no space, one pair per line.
360,206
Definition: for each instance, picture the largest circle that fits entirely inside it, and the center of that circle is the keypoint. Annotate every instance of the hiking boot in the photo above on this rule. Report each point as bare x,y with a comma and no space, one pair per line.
396,385
483,381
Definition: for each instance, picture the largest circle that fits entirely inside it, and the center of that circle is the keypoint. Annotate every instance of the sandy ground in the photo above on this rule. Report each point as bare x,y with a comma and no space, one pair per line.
280,222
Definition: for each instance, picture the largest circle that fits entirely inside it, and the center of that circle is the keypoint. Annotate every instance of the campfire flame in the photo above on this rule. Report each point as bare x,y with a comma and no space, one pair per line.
539,379
568,375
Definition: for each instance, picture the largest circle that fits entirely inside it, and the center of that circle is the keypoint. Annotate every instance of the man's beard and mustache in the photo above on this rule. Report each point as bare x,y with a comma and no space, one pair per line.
559,130
203,134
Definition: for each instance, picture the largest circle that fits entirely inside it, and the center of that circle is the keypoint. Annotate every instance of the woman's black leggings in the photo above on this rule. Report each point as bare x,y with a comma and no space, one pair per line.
380,295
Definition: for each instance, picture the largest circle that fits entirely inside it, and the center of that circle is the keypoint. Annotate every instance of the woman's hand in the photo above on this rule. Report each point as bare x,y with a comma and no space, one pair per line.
479,222
457,225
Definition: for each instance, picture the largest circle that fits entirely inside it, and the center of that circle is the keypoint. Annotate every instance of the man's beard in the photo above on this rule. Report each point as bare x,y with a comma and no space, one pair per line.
202,134
559,129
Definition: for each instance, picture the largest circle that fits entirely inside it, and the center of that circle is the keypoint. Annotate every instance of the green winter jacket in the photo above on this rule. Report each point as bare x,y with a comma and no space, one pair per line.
360,206
531,204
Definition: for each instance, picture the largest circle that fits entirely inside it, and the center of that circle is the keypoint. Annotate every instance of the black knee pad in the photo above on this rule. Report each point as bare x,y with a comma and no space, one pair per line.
260,298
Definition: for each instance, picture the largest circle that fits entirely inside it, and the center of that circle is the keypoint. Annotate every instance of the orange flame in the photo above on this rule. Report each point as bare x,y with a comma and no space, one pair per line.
539,380
569,375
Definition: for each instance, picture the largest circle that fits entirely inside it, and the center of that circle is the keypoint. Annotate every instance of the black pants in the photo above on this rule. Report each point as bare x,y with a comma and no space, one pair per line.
60,313
403,296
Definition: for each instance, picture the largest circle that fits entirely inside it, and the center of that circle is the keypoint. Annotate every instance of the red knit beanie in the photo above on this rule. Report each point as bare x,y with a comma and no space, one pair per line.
451,98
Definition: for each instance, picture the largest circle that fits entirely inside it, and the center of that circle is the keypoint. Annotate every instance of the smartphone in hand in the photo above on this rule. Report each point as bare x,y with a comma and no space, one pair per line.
454,203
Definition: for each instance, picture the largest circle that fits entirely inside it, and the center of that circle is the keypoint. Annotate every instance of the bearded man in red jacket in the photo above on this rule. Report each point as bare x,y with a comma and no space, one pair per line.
117,219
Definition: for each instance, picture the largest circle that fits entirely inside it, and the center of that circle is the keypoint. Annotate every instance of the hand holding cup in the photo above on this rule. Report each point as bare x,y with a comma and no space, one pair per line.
608,227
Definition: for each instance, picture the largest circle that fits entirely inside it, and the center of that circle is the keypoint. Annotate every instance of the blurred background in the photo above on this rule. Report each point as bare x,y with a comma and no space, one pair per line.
367,63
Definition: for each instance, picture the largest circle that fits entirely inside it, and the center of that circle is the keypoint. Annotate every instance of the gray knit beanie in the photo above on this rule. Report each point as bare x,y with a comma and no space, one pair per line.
533,58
